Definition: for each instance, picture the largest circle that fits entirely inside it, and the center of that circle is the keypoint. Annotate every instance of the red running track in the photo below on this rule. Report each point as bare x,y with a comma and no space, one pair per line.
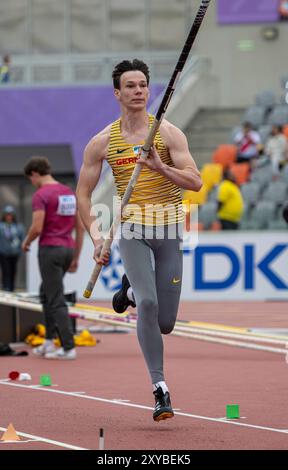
202,377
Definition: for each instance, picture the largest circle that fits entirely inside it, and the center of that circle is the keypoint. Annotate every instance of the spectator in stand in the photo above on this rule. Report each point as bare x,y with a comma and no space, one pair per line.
248,142
277,149
230,202
11,237
5,69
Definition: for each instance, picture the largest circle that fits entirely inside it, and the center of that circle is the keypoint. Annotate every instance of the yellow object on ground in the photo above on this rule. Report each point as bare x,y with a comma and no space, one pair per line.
38,337
85,339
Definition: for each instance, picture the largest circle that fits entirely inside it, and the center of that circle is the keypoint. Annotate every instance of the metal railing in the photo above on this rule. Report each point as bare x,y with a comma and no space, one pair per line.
79,69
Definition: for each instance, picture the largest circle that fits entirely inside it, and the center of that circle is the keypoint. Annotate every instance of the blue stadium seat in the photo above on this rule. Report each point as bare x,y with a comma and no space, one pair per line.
265,132
262,175
276,192
261,215
266,98
278,115
251,192
208,214
256,115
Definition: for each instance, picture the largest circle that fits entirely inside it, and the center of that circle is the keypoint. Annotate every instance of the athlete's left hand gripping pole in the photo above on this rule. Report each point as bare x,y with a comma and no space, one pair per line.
149,140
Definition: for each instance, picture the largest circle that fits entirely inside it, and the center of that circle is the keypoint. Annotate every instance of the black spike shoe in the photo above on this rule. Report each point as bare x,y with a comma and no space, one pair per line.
163,408
120,300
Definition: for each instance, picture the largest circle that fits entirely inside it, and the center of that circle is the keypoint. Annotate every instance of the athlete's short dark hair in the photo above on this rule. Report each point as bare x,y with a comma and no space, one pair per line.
40,165
127,66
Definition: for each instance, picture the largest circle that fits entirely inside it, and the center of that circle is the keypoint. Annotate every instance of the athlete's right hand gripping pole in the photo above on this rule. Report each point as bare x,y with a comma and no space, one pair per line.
149,140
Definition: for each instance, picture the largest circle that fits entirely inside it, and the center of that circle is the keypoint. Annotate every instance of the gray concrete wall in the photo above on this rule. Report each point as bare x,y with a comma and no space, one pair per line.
242,73
201,90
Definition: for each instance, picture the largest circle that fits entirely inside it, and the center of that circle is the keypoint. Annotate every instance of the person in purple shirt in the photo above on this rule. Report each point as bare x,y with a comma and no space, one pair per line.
55,216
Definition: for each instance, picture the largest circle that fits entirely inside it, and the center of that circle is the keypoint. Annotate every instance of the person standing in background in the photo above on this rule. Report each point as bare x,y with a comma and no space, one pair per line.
230,202
54,218
5,69
11,237
277,149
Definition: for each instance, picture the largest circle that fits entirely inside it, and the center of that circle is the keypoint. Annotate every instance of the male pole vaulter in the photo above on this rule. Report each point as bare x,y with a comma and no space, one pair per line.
152,256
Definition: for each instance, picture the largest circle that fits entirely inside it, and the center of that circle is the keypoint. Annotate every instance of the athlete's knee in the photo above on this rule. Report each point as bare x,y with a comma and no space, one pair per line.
166,326
148,305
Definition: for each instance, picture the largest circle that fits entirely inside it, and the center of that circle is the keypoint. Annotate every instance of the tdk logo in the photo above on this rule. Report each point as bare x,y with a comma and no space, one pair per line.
244,265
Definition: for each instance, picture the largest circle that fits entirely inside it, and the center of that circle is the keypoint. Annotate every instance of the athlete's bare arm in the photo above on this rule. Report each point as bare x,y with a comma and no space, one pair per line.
185,174
94,154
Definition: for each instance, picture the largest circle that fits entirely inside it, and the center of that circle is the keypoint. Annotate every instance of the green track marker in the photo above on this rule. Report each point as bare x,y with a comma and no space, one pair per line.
45,380
232,412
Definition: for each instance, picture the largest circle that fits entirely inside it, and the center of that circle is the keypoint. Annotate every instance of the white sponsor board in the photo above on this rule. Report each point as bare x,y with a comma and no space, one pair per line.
223,266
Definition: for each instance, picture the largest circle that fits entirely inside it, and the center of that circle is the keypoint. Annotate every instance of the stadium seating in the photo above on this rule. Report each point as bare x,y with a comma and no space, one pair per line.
241,172
196,198
285,130
225,155
234,132
278,115
255,114
266,98
244,222
261,215
213,195
275,192
251,192
278,223
208,214
284,81
262,175
264,132
211,174
263,195
285,174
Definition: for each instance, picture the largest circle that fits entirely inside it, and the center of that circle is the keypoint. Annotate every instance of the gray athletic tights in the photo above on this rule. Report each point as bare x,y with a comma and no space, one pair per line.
154,269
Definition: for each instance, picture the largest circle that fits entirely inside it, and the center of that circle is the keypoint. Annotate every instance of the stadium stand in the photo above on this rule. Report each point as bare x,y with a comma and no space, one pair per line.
225,154
260,216
241,171
275,192
262,175
256,115
266,98
285,130
264,132
278,115
262,192
211,174
207,214
250,193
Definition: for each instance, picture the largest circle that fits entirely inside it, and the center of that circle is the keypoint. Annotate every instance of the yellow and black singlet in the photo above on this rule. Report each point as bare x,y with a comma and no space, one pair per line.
155,200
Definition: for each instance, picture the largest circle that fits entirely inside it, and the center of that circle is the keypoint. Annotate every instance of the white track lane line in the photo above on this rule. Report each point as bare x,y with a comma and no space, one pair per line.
42,439
143,407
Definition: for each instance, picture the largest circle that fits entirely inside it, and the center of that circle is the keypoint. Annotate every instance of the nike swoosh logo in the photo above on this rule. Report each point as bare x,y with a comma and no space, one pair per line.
122,150
175,281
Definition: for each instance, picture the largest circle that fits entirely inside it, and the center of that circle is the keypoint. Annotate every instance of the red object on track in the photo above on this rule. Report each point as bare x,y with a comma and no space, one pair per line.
13,375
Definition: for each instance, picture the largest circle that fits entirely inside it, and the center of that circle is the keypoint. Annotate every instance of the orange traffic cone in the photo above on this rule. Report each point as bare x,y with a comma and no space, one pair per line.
10,434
